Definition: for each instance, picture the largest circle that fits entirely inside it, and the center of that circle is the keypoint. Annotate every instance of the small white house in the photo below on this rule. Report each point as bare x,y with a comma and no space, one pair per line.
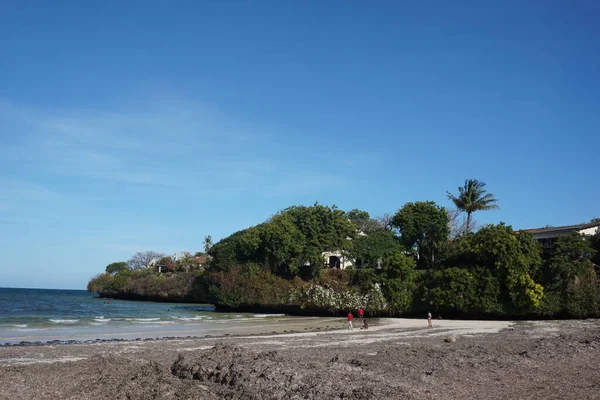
336,259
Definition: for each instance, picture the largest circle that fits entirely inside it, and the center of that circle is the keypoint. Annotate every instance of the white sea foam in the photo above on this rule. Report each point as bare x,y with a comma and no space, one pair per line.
198,318
143,319
226,321
268,315
64,321
101,320
19,325
155,322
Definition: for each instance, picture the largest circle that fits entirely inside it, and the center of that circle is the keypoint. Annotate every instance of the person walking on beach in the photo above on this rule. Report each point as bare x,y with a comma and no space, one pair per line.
429,324
350,318
361,313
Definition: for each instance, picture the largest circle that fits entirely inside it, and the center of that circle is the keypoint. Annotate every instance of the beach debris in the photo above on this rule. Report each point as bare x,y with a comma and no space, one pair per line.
333,360
450,339
227,369
358,363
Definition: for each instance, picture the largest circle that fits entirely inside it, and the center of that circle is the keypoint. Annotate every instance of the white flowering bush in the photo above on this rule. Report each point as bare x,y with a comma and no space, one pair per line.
326,297
375,301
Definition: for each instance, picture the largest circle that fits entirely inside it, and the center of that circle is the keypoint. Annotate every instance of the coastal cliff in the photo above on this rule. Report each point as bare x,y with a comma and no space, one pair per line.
279,266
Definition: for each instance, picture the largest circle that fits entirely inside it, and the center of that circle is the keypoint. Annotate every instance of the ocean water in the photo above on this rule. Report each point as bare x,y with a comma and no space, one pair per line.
46,314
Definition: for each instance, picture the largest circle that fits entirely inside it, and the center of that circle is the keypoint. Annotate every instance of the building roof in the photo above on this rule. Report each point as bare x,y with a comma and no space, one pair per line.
201,259
567,228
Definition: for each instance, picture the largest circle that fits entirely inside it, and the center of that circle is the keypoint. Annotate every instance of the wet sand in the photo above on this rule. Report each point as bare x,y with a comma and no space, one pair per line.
131,332
398,359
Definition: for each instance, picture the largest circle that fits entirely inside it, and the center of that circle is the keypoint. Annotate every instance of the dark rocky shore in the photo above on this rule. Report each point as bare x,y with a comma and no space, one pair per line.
550,360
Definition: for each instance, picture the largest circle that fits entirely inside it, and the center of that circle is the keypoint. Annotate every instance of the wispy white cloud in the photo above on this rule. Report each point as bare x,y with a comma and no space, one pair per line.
159,147
167,145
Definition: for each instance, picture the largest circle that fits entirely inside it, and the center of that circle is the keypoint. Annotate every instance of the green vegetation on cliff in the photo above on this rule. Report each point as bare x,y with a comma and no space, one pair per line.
398,265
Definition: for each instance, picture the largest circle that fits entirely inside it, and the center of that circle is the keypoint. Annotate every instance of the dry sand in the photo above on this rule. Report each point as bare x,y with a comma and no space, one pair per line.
398,359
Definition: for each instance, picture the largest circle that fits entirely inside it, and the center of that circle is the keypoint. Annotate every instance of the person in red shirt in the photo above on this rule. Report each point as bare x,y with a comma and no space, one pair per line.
361,313
350,318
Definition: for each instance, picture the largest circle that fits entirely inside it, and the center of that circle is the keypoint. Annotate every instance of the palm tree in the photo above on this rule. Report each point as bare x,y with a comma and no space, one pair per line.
473,197
207,243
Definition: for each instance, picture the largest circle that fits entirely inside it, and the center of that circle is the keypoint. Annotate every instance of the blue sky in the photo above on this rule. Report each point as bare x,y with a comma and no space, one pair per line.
128,126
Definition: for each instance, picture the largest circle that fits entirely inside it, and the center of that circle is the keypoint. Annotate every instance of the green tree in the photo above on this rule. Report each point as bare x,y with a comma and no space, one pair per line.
452,290
241,247
207,243
224,252
363,221
399,276
473,197
325,228
423,226
572,281
116,267
368,251
289,244
311,263
571,257
512,259
284,244
455,290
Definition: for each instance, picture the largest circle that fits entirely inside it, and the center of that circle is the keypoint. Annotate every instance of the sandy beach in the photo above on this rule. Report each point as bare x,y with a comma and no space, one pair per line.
396,359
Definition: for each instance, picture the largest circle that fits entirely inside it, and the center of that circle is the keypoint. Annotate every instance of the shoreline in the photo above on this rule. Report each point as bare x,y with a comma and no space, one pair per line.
286,326
295,326
294,329
280,326
383,328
